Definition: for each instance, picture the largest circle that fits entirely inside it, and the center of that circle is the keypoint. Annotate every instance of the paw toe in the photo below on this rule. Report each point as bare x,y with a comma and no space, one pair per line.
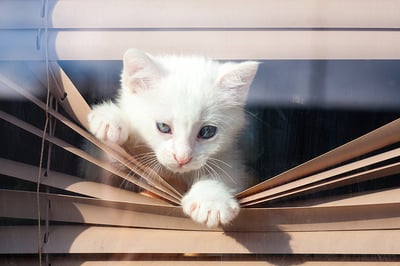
212,214
106,128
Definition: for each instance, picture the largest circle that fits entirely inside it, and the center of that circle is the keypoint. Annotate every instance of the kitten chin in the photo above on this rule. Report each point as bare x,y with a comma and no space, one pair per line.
181,116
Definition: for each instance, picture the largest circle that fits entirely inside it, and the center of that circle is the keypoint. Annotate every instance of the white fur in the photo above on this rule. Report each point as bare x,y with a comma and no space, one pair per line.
186,93
210,202
106,123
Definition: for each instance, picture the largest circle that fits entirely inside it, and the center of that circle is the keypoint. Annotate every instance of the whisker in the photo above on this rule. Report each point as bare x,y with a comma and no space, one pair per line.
148,160
150,164
199,174
141,155
223,170
214,174
220,161
127,180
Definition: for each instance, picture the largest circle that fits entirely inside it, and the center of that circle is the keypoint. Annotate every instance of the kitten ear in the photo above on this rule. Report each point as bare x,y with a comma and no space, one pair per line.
139,71
237,77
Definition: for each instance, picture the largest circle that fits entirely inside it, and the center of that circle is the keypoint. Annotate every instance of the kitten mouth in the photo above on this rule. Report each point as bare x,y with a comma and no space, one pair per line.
180,169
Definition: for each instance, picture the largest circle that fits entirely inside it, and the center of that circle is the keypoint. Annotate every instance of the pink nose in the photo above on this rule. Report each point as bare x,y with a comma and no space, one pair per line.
182,161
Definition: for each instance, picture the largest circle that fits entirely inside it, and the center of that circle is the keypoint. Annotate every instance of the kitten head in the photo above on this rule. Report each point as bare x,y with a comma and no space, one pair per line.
186,109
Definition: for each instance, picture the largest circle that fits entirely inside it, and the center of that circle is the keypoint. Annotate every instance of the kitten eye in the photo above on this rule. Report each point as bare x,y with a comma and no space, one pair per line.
207,132
164,128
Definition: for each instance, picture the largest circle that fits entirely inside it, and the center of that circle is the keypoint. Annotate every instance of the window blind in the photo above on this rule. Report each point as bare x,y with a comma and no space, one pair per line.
224,30
83,222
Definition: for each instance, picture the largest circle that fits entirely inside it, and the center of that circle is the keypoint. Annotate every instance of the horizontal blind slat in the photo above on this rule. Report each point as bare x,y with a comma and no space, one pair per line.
341,181
374,140
202,14
326,176
200,260
158,190
96,240
376,214
229,45
74,184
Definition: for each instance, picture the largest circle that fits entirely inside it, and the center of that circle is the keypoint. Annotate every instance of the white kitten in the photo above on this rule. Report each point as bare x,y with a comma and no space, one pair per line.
188,111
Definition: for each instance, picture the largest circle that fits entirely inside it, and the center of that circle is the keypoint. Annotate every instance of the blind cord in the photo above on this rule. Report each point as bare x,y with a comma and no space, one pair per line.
43,144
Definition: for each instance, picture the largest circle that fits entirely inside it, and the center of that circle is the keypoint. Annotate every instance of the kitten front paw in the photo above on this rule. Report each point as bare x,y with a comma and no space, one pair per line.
106,125
210,202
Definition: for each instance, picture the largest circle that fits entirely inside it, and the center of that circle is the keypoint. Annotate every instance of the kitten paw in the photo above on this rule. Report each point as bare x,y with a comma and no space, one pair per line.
106,125
210,202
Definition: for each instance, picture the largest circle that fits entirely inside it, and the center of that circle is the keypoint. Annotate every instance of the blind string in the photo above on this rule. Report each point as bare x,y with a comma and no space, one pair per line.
43,143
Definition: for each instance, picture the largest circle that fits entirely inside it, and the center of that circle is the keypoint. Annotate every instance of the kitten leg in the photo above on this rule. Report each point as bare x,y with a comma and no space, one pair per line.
107,124
210,202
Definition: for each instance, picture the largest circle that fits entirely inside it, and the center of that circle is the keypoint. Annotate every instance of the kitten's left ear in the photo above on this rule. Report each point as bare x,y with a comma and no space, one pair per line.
238,77
140,71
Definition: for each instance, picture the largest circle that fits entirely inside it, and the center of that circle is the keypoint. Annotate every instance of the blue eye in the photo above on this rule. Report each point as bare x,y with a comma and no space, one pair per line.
207,132
164,128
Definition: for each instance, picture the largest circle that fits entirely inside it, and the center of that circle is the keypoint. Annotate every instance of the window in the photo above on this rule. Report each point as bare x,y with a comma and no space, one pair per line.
323,132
